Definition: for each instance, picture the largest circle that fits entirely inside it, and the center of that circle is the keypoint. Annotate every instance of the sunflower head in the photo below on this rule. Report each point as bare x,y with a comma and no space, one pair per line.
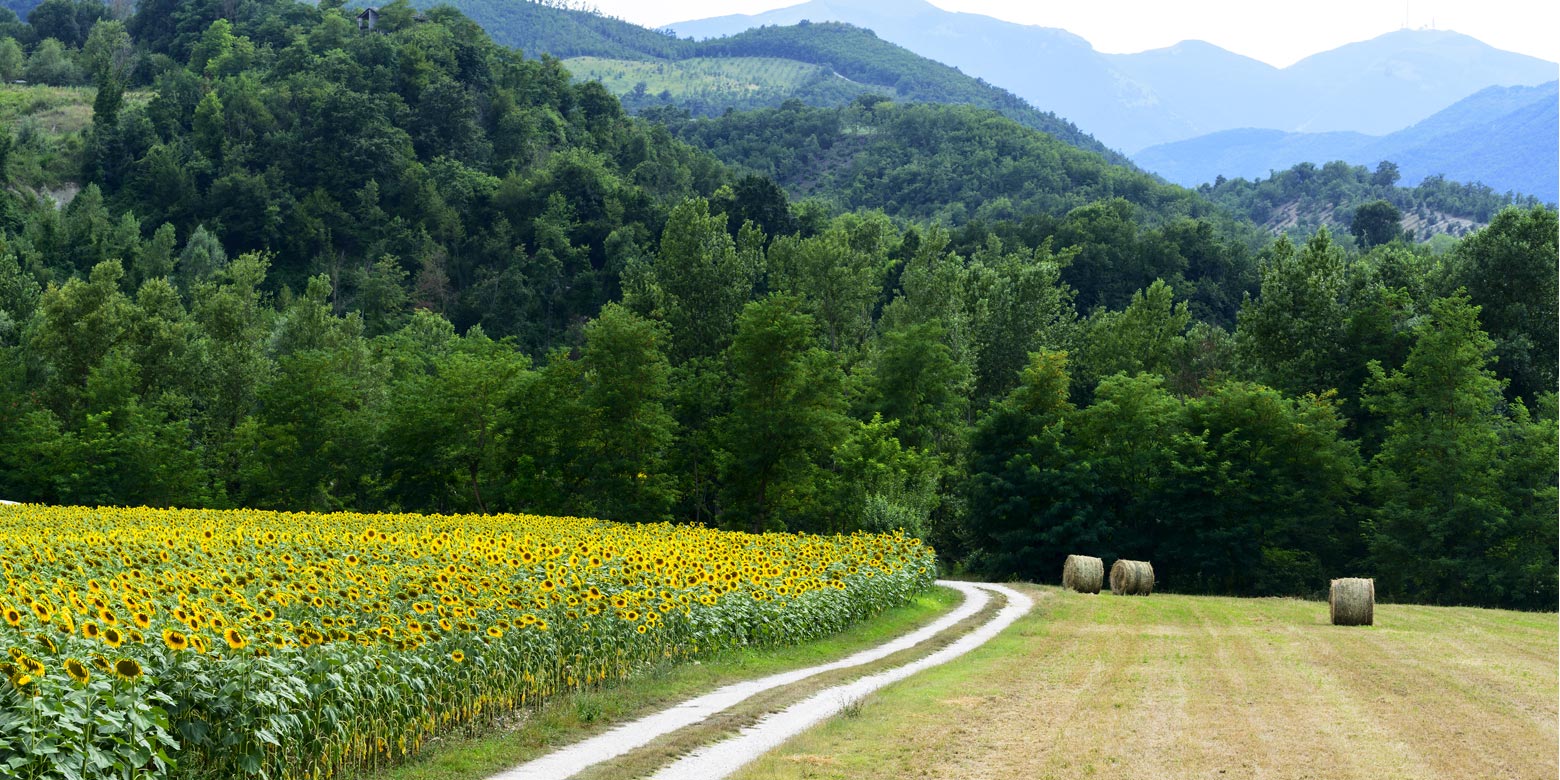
127,669
175,640
31,666
78,671
458,657
112,637
234,639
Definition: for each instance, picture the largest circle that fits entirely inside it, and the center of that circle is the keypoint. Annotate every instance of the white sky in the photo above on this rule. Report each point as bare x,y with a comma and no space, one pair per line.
1279,33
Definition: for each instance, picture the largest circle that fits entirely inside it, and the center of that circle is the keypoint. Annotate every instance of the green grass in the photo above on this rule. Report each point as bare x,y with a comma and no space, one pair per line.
707,77
569,718
1197,687
47,124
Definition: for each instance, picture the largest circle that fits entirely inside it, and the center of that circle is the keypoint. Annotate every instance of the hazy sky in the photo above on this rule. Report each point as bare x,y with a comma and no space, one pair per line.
1279,33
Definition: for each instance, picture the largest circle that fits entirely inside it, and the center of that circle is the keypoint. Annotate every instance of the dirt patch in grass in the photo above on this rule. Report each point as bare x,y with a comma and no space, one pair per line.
1186,687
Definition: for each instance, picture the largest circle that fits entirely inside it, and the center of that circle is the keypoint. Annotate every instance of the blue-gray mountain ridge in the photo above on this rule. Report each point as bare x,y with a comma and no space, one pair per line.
1134,101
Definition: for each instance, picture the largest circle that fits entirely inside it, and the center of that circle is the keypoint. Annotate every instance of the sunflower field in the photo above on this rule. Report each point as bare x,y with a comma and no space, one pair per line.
220,644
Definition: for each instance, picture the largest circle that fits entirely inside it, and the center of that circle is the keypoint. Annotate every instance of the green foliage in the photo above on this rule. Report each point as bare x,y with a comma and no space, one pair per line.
786,410
12,59
923,161
699,281
1450,526
1376,223
1510,270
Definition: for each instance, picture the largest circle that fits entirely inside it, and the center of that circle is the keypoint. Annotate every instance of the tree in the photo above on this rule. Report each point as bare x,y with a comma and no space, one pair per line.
1291,335
1028,492
1376,223
50,65
1149,336
698,283
12,60
1443,529
1386,174
630,428
1018,305
1261,497
449,430
786,413
837,279
56,19
1509,270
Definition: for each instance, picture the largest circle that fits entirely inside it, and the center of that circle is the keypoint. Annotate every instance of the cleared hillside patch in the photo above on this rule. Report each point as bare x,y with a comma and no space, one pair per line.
739,77
1196,687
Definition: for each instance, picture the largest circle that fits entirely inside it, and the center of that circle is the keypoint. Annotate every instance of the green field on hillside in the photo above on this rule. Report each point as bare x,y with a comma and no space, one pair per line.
704,76
1196,687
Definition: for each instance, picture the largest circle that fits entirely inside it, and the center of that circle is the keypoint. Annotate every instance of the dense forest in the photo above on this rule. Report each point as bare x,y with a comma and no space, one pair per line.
316,268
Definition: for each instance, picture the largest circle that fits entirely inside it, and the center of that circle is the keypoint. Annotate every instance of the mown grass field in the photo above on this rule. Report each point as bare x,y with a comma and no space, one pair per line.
702,76
1195,687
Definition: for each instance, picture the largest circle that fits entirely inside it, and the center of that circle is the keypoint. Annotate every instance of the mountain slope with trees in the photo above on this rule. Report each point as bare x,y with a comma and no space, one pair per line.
833,63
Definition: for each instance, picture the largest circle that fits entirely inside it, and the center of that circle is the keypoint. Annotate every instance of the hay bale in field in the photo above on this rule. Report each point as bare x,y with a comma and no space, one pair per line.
1131,578
1353,602
1083,574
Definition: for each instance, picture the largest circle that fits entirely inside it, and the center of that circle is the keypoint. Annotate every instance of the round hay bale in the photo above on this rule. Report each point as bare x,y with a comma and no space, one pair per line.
1353,602
1131,578
1083,574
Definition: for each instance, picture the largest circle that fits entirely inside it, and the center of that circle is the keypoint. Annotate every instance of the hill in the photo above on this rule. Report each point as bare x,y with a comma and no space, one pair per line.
20,7
538,27
1502,137
926,161
1305,197
819,64
1133,101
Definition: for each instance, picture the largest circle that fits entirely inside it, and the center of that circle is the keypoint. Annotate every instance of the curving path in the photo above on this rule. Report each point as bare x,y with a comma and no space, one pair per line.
722,758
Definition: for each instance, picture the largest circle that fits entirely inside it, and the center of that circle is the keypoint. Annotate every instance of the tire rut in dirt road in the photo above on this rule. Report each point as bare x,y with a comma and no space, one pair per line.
723,758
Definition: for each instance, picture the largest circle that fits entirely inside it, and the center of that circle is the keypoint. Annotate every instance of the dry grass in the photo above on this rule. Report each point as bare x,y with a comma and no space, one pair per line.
1186,687
1083,574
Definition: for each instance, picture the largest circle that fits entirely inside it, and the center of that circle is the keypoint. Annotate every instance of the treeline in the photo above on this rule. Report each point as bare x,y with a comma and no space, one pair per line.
411,271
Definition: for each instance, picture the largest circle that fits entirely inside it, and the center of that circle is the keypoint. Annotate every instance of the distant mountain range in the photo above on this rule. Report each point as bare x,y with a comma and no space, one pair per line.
1507,138
1133,101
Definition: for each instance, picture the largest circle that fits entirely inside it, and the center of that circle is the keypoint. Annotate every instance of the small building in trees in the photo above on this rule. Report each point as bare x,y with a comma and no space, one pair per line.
368,18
